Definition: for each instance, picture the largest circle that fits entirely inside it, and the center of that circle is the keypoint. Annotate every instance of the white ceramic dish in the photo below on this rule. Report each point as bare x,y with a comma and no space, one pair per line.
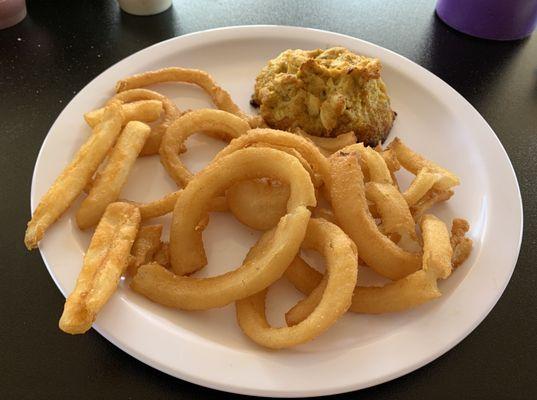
208,348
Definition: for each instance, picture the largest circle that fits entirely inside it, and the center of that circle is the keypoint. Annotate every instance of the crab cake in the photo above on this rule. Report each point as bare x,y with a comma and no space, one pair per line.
325,93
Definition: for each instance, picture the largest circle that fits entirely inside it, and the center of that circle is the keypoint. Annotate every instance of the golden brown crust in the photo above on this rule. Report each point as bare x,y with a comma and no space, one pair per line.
325,93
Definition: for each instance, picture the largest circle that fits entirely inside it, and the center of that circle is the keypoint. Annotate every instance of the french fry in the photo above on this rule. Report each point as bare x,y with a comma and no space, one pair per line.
104,263
108,184
171,112
143,110
75,176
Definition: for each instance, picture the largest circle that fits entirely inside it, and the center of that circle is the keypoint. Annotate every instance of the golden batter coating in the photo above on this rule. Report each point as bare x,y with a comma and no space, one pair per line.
325,93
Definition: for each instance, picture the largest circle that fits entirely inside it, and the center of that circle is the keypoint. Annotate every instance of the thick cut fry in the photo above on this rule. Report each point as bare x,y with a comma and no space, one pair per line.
258,203
108,184
186,246
142,110
104,262
414,163
410,291
276,250
329,146
171,112
145,247
220,97
75,176
229,126
334,299
393,209
420,186
351,210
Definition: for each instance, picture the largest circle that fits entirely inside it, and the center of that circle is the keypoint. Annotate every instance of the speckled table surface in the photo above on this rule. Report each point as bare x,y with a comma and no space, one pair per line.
62,45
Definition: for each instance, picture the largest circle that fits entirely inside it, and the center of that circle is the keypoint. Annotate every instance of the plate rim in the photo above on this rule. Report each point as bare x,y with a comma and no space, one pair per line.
237,388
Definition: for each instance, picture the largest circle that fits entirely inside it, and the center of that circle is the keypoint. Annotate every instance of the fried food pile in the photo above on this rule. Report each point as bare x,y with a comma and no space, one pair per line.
271,180
325,93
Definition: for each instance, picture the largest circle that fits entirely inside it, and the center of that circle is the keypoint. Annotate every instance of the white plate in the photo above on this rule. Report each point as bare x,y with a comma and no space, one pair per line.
207,348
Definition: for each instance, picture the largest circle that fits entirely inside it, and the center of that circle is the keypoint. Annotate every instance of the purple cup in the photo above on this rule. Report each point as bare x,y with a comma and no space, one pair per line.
490,19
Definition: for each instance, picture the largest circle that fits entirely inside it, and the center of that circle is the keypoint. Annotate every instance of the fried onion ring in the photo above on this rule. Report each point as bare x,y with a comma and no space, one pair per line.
255,137
334,300
410,291
393,209
220,97
414,163
351,210
186,246
251,211
227,125
372,163
277,248
145,246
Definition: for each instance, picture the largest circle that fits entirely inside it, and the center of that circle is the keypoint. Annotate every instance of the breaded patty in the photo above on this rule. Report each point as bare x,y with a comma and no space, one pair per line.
325,93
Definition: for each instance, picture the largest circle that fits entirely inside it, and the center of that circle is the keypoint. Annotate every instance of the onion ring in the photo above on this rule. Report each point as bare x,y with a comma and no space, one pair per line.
410,291
373,165
145,246
351,210
334,300
186,246
393,209
228,125
220,97
276,250
311,154
414,162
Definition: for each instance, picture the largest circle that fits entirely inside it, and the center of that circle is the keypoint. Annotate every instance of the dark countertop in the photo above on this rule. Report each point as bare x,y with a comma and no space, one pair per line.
61,46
